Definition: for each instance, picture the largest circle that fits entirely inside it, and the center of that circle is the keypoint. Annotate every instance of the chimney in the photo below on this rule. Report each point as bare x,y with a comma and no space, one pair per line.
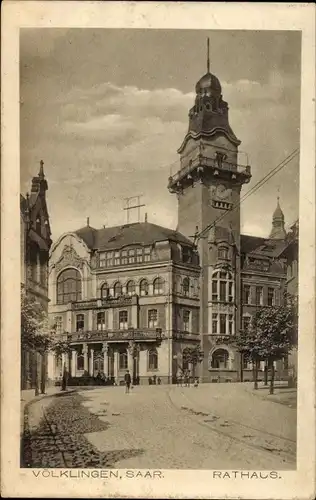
146,217
88,221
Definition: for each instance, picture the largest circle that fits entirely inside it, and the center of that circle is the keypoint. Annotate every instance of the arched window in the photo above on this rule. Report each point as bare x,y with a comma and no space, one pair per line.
159,286
143,287
117,289
220,359
131,288
123,363
222,286
153,359
186,287
105,291
68,286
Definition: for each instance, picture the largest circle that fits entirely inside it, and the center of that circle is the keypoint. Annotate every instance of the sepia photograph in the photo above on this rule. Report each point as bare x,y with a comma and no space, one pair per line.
159,237
158,251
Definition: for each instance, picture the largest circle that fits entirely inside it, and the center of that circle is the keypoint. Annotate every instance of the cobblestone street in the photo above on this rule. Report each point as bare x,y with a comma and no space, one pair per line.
214,426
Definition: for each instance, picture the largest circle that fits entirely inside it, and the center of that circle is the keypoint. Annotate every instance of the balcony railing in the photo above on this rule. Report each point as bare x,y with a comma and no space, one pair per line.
136,334
203,161
105,302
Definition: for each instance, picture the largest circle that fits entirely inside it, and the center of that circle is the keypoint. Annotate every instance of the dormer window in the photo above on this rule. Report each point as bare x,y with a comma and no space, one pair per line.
38,225
223,253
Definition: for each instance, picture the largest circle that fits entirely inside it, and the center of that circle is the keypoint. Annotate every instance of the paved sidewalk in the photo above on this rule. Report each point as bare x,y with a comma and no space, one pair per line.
282,393
28,396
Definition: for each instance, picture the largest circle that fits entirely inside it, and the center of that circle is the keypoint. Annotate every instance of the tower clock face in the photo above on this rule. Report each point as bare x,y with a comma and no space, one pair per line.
222,192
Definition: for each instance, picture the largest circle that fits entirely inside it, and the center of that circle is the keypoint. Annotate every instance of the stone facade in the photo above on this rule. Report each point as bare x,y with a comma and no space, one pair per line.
123,298
238,273
35,244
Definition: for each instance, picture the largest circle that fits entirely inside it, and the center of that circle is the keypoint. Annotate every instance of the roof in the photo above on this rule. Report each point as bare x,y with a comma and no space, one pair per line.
264,246
143,233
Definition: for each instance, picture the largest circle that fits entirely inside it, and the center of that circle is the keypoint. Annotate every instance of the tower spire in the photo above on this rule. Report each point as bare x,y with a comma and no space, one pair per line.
208,55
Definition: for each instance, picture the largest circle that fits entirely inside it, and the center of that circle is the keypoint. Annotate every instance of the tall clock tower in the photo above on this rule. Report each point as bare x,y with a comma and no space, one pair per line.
208,185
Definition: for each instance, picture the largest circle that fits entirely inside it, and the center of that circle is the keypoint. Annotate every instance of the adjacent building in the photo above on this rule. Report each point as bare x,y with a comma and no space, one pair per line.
35,244
136,296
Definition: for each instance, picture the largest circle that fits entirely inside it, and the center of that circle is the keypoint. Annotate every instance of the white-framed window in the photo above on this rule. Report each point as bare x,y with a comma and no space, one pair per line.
123,361
59,324
123,320
143,287
153,359
79,322
159,286
246,294
139,255
152,318
117,259
105,291
222,286
259,295
186,287
222,253
223,324
271,296
220,359
101,320
109,259
131,256
117,289
102,261
147,254
124,259
186,320
131,288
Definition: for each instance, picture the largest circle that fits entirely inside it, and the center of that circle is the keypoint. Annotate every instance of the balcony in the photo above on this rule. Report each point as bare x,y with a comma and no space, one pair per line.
105,302
196,167
135,334
184,335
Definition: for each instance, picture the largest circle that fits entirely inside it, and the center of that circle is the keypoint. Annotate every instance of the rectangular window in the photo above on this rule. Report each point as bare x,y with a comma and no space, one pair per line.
246,294
230,324
59,324
152,318
131,256
109,259
139,255
147,252
186,254
214,291
259,296
102,259
101,321
123,320
271,299
123,361
246,322
222,324
186,320
230,292
222,291
79,322
124,257
214,323
116,258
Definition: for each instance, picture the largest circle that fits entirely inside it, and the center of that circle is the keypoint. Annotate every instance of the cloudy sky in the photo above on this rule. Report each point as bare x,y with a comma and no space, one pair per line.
107,109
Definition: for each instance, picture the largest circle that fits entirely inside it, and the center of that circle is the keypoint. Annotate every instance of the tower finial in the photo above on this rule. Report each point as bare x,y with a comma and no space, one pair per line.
208,55
41,170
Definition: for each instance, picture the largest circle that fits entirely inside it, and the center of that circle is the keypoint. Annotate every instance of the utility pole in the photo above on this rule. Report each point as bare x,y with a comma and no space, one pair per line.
133,203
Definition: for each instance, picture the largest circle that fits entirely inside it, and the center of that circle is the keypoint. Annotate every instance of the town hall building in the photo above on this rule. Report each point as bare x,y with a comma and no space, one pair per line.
137,295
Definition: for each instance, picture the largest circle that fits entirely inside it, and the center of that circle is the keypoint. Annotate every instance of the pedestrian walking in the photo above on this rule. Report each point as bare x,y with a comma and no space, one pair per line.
128,381
196,382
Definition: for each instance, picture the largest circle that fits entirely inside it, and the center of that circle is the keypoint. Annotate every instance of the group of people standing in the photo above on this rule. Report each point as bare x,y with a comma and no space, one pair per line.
184,379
